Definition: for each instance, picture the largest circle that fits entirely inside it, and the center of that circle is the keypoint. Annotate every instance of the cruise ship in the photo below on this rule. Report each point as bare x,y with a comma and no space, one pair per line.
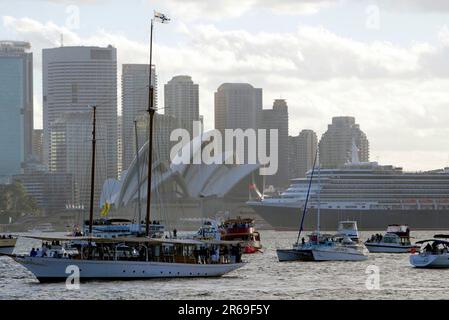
373,195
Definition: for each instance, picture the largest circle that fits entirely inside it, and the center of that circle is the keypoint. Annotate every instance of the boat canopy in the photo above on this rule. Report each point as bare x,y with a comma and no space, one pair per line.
442,236
433,240
400,230
135,240
239,220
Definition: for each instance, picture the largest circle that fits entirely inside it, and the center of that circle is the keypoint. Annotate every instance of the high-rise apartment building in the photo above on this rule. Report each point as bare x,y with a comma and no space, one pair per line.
277,119
336,143
75,78
237,106
16,106
181,99
302,151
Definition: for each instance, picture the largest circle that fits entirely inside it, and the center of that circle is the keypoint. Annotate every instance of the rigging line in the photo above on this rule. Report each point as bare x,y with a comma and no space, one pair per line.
307,197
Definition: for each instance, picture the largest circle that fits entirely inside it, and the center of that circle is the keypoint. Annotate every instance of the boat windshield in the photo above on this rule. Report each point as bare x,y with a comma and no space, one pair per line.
391,238
348,226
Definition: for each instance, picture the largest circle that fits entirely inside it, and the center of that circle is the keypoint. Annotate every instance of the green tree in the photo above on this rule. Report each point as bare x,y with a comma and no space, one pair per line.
15,202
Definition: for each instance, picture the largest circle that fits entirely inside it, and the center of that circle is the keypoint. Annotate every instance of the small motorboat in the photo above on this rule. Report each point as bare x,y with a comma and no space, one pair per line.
208,231
396,240
242,230
433,253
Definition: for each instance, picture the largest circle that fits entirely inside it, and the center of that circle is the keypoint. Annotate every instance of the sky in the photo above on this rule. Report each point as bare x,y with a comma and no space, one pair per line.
384,62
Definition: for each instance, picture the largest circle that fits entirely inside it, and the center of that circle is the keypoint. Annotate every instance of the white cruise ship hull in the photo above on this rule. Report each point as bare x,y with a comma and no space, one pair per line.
53,270
430,260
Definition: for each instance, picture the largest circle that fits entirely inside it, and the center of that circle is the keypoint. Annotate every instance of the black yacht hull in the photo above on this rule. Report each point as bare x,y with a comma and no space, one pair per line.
288,218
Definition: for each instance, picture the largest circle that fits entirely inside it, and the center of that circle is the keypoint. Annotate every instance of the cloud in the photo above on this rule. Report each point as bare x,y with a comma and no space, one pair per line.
398,94
432,6
216,10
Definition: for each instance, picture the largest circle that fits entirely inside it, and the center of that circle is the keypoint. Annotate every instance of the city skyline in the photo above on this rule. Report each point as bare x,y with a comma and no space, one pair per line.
387,75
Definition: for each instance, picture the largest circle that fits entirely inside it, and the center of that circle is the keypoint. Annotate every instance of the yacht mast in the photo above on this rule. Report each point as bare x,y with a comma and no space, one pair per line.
307,197
151,112
92,176
139,205
319,195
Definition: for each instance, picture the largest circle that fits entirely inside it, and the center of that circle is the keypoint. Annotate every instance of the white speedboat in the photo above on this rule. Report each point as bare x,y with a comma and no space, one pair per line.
396,240
432,254
7,244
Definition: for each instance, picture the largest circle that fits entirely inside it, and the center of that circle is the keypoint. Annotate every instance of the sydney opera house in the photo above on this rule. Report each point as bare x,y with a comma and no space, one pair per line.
183,194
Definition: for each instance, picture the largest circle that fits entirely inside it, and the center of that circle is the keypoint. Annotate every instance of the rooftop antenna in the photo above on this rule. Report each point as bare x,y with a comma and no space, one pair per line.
62,40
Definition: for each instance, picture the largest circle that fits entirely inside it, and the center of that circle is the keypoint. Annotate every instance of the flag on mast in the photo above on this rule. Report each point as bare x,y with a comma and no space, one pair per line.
160,17
105,210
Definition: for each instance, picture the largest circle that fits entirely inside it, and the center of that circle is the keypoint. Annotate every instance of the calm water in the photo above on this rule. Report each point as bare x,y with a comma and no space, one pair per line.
262,278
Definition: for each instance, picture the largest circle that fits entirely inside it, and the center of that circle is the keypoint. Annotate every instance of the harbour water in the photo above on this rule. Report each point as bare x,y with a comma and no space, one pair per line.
262,278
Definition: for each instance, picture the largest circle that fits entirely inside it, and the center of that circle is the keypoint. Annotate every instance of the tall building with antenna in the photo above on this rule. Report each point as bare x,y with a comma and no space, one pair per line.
75,78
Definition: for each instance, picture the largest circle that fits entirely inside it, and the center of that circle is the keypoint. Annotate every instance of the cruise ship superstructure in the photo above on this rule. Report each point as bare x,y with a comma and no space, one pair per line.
373,195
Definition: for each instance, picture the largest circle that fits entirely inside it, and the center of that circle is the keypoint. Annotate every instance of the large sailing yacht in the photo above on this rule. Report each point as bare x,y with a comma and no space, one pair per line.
139,257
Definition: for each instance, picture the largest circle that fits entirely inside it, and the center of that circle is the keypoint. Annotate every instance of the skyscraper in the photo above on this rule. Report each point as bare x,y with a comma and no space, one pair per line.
38,140
134,104
302,150
73,79
119,144
277,118
16,106
71,152
181,99
336,143
237,105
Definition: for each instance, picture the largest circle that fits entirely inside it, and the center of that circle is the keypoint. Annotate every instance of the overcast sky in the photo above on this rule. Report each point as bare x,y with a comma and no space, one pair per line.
385,62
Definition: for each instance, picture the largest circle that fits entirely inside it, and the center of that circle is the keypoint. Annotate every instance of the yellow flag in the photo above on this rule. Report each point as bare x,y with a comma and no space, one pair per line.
105,209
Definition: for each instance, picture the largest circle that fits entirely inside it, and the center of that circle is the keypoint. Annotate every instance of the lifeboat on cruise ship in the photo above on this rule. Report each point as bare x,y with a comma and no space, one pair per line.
242,230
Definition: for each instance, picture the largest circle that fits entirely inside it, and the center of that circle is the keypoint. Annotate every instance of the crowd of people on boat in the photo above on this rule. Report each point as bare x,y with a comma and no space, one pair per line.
435,248
376,238
236,225
215,255
49,250
202,255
